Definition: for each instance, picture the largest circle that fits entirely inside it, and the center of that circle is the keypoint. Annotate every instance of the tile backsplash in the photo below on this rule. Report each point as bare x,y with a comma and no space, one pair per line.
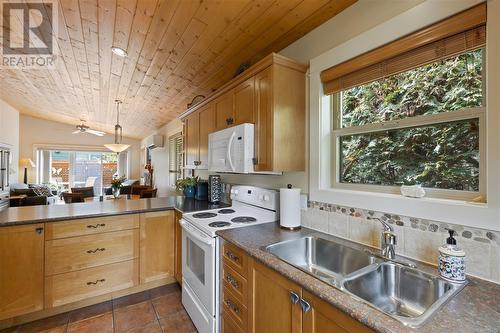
416,238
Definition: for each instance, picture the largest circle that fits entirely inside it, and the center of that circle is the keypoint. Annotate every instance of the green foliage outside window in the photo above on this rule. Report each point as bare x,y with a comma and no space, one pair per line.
444,156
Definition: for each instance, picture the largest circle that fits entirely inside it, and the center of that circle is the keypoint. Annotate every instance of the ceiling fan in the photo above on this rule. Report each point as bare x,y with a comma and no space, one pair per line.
82,128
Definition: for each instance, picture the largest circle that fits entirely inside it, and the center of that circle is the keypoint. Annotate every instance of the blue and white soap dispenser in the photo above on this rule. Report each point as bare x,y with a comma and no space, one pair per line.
451,260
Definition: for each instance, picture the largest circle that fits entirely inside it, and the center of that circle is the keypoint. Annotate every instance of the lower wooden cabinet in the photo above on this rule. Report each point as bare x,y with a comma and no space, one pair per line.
21,269
157,246
260,300
322,317
178,246
74,286
271,306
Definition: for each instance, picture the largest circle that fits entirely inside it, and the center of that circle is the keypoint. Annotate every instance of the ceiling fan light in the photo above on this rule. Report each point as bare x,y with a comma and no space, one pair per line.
119,51
117,147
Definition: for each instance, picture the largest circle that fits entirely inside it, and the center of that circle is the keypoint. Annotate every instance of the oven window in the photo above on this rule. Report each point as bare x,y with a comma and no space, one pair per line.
196,260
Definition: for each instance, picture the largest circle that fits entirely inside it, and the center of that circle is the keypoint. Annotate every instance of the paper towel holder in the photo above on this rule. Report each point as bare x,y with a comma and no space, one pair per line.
289,186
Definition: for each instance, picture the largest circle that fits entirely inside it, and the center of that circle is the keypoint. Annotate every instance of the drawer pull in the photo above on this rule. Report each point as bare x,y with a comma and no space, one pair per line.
232,281
96,250
95,226
232,306
232,256
95,282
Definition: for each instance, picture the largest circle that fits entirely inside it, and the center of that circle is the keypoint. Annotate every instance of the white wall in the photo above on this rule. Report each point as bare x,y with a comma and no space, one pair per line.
9,134
35,131
160,157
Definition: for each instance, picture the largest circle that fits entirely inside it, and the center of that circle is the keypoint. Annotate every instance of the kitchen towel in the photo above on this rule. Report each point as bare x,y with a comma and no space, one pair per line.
290,207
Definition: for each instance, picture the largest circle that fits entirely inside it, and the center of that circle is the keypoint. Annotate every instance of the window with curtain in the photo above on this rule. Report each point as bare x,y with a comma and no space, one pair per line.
176,157
413,112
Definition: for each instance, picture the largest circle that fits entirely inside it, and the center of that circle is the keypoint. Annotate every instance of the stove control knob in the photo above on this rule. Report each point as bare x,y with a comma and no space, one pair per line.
236,192
261,197
266,198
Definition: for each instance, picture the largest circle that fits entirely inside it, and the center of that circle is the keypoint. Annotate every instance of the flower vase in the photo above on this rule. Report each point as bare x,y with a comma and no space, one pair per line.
116,192
189,191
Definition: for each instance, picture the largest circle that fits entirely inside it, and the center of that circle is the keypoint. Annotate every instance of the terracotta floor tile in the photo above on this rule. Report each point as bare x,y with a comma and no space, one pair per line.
90,311
168,304
131,299
164,290
153,327
52,324
102,323
178,322
133,316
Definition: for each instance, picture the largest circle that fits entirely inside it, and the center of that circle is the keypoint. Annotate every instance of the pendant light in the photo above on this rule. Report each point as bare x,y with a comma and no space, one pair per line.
118,146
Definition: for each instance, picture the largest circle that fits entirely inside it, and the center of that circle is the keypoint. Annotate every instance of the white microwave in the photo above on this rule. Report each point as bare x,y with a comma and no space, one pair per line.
231,150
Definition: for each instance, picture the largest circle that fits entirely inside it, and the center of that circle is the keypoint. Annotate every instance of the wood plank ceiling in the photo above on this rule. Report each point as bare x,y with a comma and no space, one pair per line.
176,50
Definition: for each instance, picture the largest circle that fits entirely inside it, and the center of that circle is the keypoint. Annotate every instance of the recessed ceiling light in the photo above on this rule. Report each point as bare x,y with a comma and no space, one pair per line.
119,51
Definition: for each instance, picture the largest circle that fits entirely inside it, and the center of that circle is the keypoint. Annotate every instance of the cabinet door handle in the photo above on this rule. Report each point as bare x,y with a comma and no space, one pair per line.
95,226
294,297
90,283
232,306
232,256
232,281
96,250
39,230
305,305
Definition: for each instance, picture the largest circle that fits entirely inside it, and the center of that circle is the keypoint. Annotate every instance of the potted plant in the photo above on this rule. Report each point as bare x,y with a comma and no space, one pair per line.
187,185
116,184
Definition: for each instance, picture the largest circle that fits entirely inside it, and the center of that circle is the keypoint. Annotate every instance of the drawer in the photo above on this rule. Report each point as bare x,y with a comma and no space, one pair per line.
75,253
63,229
75,286
229,326
234,309
235,283
235,258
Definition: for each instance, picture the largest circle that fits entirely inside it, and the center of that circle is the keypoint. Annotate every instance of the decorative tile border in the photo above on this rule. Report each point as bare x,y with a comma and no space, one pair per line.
476,234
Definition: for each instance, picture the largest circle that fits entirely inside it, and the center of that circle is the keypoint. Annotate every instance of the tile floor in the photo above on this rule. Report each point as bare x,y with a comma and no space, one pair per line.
157,310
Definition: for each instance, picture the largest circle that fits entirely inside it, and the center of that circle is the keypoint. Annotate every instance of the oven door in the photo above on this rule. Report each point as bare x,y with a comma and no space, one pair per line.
198,265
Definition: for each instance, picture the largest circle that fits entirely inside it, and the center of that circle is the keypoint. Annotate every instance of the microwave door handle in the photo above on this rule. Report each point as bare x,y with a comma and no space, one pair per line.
231,139
195,233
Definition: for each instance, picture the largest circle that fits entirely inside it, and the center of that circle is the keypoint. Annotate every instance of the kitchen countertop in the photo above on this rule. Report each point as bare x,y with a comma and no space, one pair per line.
39,214
475,309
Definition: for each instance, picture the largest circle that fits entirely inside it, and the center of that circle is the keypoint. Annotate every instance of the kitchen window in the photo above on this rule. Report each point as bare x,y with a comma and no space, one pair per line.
425,125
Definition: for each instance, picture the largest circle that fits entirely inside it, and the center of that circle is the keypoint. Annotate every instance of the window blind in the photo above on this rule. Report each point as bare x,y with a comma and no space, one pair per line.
458,34
176,157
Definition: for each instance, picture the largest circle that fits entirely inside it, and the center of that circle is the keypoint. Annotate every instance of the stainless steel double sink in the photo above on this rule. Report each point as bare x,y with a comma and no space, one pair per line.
405,293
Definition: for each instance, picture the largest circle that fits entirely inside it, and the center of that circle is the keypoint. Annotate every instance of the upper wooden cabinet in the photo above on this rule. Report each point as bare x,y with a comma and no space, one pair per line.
197,127
21,269
271,95
244,99
223,111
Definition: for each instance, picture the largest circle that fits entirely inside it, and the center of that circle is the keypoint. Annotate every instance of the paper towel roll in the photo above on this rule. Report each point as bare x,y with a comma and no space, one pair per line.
290,208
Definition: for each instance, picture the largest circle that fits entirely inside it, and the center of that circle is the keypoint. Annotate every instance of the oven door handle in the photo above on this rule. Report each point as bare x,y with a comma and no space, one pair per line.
198,235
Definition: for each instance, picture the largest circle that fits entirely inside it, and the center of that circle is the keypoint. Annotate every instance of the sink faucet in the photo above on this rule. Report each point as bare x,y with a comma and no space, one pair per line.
388,240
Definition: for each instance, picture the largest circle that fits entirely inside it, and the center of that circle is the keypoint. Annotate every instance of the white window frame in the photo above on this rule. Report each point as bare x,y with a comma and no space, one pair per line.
418,121
479,215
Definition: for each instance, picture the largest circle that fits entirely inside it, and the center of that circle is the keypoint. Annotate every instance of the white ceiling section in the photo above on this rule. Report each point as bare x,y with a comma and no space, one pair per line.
176,50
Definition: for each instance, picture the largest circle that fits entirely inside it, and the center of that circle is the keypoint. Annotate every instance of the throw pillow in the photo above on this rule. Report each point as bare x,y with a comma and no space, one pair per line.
42,190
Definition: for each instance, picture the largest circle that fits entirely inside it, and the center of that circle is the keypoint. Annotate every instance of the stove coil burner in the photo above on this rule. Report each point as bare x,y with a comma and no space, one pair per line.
226,211
244,219
219,224
204,215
